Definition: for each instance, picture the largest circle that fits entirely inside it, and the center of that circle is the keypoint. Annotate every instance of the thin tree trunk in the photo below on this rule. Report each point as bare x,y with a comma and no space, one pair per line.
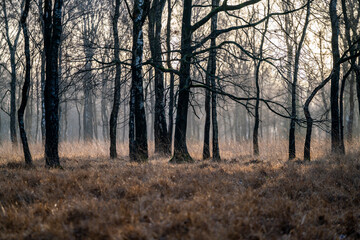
26,86
257,84
206,147
172,78
117,89
212,79
292,145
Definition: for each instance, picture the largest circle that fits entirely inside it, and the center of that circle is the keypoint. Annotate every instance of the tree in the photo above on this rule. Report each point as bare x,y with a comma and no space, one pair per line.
162,142
52,37
335,117
172,77
137,122
117,89
292,147
181,153
12,49
211,74
257,85
26,87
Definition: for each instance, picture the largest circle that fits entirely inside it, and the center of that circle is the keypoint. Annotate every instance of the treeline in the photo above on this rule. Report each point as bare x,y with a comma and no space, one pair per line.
164,69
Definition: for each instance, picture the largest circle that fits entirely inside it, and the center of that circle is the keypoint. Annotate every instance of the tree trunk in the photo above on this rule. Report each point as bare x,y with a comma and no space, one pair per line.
26,86
211,72
88,126
140,153
206,147
162,143
172,78
117,90
335,118
52,38
181,153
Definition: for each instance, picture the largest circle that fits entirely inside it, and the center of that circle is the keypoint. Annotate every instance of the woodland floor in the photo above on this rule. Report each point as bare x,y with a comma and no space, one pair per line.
240,198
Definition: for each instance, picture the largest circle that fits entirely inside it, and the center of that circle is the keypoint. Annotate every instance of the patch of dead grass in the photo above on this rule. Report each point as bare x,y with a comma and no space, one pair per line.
239,198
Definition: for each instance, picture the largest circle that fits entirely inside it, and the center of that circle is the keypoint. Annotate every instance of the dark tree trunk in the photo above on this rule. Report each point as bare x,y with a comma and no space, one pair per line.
13,99
140,150
212,75
206,148
181,153
117,90
309,120
52,38
172,78
292,146
335,118
26,86
257,106
162,143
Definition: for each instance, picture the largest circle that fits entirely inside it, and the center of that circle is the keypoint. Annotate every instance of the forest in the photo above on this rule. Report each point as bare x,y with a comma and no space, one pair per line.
169,119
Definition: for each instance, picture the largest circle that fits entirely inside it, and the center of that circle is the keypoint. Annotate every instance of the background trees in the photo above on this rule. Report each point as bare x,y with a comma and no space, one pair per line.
228,70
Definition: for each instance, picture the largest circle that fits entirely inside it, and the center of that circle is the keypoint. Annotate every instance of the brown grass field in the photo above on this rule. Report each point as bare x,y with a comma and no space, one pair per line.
239,198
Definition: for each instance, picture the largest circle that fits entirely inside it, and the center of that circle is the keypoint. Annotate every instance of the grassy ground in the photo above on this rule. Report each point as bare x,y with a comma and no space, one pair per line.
239,198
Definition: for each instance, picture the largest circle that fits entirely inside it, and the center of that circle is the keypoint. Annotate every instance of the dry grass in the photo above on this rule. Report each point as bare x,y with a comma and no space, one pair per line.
239,198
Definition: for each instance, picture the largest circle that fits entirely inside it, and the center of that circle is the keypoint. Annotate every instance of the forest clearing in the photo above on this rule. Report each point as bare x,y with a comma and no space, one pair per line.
95,197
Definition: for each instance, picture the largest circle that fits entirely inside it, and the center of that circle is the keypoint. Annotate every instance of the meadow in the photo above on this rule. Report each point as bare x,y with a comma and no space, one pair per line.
94,197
